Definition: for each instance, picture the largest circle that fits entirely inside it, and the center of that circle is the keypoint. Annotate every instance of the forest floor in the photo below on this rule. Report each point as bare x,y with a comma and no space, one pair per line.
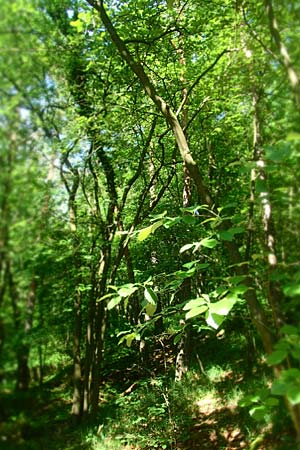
146,412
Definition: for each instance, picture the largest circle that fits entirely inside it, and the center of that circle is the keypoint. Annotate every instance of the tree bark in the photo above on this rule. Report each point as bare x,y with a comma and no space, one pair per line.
72,189
283,51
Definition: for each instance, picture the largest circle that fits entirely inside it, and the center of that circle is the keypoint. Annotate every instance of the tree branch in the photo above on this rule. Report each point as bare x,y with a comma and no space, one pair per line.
160,103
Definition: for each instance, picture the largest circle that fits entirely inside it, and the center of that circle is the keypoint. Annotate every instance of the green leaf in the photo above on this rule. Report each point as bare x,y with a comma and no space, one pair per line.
202,266
279,153
223,307
186,247
196,311
189,265
293,136
105,297
150,309
150,295
127,289
248,400
229,205
183,274
235,279
85,17
228,235
278,388
289,329
157,225
293,394
113,302
145,232
155,217
170,222
238,290
209,243
288,384
194,303
189,220
177,338
276,357
292,290
259,413
129,338
78,24
282,345
271,401
214,320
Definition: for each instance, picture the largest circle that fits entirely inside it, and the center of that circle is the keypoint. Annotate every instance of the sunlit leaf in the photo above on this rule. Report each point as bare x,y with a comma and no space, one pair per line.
78,24
150,295
223,306
129,338
114,302
292,290
214,320
127,290
145,232
186,247
196,311
150,309
194,303
209,243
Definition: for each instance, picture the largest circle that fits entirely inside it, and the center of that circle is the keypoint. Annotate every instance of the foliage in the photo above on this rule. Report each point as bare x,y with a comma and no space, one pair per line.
149,215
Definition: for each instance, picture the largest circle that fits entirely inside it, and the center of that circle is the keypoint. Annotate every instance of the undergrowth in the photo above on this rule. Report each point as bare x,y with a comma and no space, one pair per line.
149,410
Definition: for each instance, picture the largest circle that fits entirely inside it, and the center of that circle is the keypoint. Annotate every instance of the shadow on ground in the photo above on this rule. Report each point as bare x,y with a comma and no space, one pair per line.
37,421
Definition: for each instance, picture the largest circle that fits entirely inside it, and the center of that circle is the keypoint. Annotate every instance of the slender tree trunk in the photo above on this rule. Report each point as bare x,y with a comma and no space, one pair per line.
283,51
183,356
77,382
259,174
89,346
101,322
72,188
23,372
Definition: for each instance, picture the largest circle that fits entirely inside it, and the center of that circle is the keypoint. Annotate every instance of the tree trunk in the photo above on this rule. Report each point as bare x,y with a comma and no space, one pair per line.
72,188
101,320
284,54
183,348
77,400
23,372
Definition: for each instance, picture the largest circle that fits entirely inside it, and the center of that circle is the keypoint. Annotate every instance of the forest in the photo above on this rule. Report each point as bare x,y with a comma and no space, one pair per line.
149,224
